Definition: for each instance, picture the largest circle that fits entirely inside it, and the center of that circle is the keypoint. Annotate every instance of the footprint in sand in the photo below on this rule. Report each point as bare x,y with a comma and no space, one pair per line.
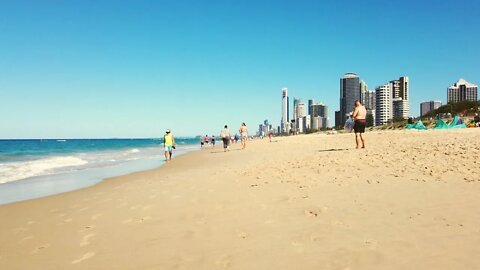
85,256
225,261
316,212
38,249
371,243
144,219
242,235
86,228
86,239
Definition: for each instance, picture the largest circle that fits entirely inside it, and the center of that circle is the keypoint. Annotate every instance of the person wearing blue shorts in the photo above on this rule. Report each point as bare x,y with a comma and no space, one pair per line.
169,143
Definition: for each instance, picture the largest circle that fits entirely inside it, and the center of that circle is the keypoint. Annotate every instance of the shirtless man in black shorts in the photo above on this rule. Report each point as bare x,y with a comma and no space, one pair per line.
360,115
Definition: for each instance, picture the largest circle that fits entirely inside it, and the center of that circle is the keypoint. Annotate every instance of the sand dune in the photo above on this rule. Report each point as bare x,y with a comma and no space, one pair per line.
408,201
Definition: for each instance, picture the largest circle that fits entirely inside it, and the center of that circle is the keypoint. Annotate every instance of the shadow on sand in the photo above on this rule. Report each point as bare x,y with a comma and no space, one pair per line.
334,150
220,152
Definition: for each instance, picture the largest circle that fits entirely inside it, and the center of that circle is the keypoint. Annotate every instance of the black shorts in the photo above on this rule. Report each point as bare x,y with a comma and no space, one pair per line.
226,142
359,126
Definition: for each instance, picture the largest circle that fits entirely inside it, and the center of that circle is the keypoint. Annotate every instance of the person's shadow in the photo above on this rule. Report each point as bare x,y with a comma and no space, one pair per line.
334,150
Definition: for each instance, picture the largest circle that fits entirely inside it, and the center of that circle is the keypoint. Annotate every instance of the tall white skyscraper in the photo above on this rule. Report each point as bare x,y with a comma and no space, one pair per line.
383,104
285,120
301,110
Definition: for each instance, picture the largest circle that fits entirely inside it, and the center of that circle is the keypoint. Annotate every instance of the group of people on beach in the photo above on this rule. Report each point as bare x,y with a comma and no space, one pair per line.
227,137
169,140
205,140
358,115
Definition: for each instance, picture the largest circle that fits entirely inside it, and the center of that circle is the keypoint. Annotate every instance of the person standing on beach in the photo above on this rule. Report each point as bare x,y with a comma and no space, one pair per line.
244,133
225,135
206,139
202,141
213,140
359,116
169,143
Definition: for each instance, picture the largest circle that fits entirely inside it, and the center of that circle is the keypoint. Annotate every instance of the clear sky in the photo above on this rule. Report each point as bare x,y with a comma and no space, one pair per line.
76,69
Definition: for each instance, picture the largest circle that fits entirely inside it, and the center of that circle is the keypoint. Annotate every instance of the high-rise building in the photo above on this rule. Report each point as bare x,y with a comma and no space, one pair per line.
306,121
338,118
369,100
300,110
428,106
462,91
309,108
285,123
363,92
400,108
400,105
383,104
319,109
349,92
295,104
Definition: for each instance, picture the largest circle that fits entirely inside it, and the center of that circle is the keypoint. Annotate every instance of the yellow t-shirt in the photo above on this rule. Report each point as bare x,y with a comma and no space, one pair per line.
168,140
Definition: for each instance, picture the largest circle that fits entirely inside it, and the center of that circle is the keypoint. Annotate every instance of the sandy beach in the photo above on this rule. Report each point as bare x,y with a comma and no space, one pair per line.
408,201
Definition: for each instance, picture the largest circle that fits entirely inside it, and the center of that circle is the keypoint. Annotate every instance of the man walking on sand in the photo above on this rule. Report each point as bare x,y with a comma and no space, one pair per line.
225,135
169,143
360,116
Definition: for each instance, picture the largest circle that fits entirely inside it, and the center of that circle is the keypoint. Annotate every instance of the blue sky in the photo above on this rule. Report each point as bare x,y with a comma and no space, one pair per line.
76,69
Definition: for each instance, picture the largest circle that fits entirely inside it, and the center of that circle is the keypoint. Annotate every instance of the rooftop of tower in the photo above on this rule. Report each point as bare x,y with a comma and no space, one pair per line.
350,75
461,81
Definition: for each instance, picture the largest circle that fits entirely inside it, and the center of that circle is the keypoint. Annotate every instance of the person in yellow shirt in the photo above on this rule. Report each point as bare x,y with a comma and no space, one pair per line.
169,143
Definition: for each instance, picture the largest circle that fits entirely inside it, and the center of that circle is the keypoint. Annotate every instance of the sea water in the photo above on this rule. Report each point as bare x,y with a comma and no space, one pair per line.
36,168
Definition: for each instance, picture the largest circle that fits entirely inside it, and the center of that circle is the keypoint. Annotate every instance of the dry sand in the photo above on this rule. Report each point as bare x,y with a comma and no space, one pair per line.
408,201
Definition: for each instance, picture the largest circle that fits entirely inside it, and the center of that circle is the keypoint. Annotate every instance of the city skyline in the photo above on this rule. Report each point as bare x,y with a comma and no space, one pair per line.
121,69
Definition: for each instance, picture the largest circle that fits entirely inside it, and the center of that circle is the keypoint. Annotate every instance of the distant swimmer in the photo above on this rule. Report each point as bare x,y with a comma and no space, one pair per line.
359,116
225,135
169,143
244,134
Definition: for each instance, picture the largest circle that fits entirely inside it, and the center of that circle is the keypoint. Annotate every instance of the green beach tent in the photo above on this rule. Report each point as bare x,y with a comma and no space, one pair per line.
454,123
420,125
441,124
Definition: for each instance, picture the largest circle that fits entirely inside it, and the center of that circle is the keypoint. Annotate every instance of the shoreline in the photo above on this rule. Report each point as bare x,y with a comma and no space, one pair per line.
52,184
298,202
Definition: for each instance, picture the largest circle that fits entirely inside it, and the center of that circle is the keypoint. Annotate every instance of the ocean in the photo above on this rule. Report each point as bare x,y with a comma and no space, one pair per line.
35,168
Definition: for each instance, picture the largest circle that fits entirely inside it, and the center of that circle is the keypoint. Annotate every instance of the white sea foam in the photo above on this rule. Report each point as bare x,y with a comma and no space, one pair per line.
20,170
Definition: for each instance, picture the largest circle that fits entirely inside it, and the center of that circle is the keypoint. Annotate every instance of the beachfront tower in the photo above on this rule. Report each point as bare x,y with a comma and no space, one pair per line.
400,89
462,91
428,106
383,104
349,92
285,120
